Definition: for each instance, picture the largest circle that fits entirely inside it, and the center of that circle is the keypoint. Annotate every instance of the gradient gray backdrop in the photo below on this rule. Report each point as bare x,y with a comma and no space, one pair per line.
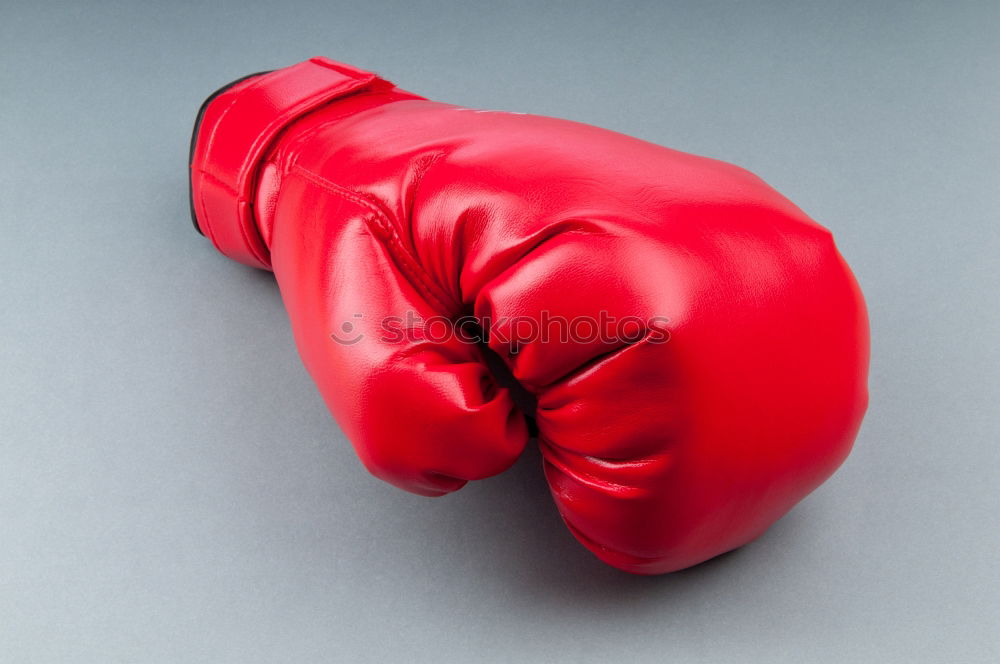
173,490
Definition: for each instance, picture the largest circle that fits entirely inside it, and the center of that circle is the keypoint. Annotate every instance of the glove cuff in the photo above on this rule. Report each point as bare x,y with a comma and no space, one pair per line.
235,128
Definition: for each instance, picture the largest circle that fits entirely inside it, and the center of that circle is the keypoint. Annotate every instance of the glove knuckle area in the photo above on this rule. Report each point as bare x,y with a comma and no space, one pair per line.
661,456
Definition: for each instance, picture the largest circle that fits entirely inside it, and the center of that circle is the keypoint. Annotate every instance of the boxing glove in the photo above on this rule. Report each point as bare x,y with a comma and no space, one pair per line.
687,347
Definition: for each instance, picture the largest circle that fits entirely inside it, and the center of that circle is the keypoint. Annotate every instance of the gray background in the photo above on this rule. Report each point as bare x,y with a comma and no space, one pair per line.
173,490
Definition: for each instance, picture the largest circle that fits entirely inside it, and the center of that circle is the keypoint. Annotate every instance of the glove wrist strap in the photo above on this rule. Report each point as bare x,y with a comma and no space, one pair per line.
233,133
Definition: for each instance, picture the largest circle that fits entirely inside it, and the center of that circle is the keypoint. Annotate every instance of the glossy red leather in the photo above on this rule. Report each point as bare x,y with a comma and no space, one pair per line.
369,202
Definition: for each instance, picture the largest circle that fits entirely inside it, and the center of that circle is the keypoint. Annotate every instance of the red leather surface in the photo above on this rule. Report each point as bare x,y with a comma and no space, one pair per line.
375,202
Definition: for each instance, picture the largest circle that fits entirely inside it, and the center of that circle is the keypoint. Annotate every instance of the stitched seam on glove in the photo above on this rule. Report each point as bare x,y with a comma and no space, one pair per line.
385,231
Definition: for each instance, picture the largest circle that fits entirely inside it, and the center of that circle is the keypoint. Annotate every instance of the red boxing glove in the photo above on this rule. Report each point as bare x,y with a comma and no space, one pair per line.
688,344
